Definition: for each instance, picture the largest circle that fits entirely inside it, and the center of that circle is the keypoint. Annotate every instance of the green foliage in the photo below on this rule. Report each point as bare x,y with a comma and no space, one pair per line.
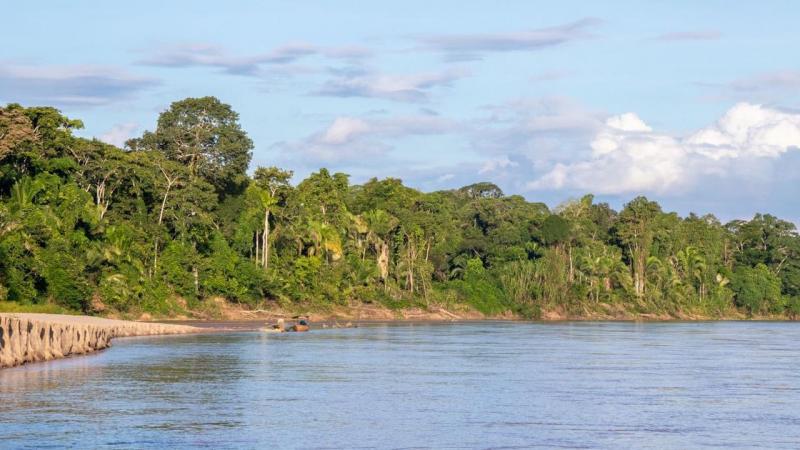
480,290
230,276
757,289
178,265
555,230
174,219
45,308
61,274
793,307
204,134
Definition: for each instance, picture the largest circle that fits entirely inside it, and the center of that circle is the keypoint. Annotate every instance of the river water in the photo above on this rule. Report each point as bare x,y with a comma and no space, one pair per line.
468,385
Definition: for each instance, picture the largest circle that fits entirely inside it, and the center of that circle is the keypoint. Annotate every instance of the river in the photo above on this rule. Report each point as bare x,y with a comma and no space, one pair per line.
439,386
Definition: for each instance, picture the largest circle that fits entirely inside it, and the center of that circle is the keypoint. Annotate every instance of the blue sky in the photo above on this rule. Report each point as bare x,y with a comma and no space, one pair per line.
694,104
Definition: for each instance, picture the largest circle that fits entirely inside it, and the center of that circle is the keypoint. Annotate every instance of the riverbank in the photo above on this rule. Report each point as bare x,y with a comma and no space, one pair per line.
217,309
27,337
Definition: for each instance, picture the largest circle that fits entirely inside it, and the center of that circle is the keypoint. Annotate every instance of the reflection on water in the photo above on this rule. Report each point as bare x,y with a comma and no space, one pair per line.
478,385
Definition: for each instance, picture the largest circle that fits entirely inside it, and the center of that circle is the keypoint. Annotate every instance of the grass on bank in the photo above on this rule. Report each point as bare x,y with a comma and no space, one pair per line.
43,308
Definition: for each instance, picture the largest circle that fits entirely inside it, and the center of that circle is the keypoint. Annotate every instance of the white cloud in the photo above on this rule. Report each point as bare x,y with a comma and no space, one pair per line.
495,164
471,46
356,139
73,85
541,130
208,55
400,87
343,130
627,156
748,130
627,122
119,133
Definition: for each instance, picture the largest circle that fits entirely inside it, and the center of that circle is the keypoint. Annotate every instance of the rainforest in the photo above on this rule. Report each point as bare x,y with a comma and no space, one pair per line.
178,217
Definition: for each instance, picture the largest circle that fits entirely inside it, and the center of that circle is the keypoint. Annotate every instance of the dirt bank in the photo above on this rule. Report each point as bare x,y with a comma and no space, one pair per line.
28,338
228,311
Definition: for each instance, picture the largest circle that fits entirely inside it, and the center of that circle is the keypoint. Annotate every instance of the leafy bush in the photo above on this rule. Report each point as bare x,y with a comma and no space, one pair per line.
757,289
64,278
176,265
480,290
793,306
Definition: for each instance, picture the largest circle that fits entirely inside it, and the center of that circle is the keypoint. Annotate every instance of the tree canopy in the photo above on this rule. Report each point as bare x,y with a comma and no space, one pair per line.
174,219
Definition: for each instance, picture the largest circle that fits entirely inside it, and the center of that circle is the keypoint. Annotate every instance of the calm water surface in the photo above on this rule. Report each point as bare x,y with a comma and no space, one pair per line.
481,385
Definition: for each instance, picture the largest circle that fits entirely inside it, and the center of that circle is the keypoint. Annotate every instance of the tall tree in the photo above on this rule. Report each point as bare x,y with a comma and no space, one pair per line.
636,230
204,135
15,128
274,185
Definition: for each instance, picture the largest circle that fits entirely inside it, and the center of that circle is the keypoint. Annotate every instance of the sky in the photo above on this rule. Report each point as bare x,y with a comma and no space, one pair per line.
693,104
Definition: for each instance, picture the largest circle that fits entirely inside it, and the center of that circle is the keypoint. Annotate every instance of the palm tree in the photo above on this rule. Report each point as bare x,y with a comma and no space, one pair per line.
22,194
324,239
693,267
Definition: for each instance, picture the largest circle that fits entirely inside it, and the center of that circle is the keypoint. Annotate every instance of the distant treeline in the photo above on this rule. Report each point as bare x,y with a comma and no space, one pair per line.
173,219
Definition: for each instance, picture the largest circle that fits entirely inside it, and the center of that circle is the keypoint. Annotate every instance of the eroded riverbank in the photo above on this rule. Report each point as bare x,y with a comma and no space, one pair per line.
26,338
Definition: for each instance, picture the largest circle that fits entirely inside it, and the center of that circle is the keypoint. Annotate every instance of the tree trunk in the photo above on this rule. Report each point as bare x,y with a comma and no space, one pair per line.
383,261
164,203
265,253
638,264
411,257
258,245
100,194
160,220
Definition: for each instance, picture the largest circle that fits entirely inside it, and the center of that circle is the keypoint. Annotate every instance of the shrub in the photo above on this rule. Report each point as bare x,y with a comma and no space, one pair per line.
480,290
793,306
757,289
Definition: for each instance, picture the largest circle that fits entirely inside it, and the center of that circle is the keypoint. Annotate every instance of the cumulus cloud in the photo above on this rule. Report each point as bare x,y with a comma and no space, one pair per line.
748,130
495,164
207,55
627,156
700,35
413,87
76,85
344,130
349,139
471,46
119,133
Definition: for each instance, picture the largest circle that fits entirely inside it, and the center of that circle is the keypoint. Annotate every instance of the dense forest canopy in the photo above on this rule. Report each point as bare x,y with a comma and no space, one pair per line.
174,218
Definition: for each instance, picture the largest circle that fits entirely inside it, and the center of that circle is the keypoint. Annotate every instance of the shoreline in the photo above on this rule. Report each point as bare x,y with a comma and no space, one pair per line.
226,311
30,337
222,325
